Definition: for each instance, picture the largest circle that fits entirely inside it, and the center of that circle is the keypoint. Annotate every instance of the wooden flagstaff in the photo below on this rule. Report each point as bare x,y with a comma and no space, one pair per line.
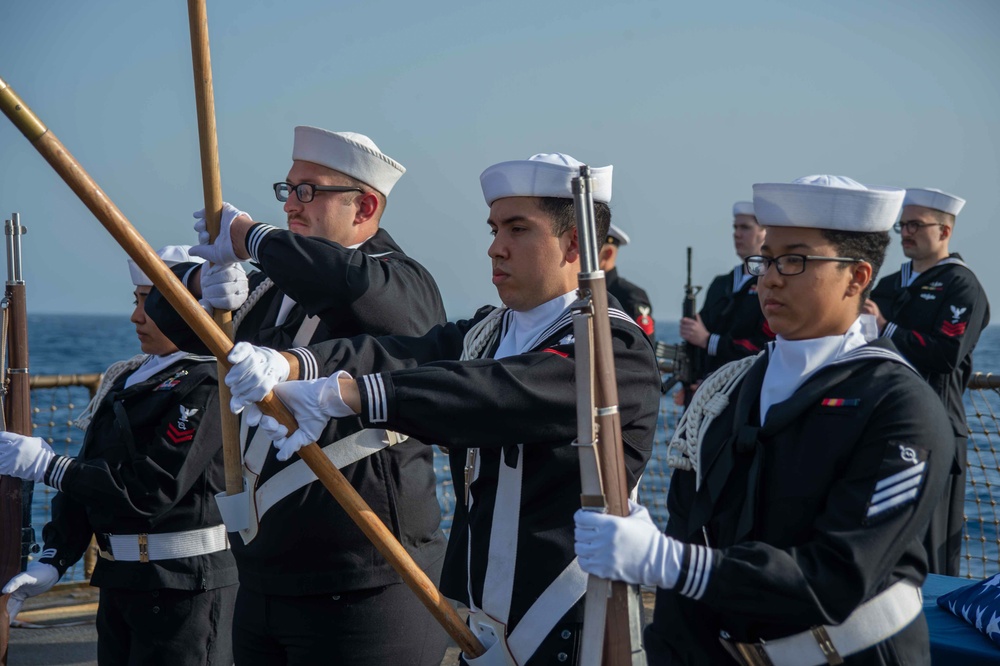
16,417
60,159
201,60
622,640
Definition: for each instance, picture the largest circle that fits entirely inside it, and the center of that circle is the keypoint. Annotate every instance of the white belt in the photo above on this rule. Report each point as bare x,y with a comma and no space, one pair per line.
879,618
165,546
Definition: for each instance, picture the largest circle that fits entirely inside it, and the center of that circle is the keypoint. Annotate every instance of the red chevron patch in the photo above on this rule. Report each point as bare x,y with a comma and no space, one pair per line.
953,330
178,436
746,344
556,352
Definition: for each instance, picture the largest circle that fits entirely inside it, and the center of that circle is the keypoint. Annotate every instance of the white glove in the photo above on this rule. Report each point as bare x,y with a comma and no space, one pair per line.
630,549
39,578
255,373
24,457
224,286
313,403
221,251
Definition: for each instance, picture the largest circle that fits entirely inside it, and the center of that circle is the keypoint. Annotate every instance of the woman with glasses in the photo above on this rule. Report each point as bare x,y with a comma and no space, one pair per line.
934,309
804,477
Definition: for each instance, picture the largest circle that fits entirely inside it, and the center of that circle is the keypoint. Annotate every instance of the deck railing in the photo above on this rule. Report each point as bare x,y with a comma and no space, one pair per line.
58,399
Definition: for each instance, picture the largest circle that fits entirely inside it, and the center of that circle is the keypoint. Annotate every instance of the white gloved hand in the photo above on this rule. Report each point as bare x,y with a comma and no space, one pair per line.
39,578
255,373
313,403
221,251
224,286
24,457
630,549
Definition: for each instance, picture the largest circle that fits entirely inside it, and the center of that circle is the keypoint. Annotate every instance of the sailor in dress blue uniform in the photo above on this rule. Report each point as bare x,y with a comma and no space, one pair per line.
313,588
805,477
498,390
934,310
144,484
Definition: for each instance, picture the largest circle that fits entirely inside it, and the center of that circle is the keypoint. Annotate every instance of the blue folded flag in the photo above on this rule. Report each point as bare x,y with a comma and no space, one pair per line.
978,604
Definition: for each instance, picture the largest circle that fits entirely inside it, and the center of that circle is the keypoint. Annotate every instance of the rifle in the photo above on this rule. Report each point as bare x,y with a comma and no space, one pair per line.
682,360
612,610
15,494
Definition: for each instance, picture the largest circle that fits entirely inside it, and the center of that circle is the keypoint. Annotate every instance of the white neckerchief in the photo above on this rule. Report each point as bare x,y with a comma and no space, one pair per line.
525,327
153,365
287,303
740,278
792,362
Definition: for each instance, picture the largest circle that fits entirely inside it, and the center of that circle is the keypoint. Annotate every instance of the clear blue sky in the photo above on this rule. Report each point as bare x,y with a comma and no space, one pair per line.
692,104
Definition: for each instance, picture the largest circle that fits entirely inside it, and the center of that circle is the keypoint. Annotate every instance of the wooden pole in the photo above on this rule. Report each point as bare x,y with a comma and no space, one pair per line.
17,418
205,328
201,59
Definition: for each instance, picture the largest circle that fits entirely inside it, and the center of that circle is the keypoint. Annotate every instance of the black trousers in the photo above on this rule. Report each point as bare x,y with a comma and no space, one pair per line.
943,541
385,625
165,627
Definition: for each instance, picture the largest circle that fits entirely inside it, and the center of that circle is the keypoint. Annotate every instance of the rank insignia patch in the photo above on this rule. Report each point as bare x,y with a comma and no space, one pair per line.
841,402
171,381
900,477
179,435
952,330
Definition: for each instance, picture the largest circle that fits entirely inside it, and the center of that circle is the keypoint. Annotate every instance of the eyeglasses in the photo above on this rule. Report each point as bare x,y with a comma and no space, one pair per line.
913,226
306,191
787,264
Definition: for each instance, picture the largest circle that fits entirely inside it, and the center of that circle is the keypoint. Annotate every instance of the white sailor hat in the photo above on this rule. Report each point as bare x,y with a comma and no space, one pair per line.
936,199
349,153
743,208
542,175
827,202
171,255
617,236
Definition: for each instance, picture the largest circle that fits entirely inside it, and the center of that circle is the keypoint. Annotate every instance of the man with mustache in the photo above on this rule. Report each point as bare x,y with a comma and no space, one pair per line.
498,390
805,476
313,589
934,310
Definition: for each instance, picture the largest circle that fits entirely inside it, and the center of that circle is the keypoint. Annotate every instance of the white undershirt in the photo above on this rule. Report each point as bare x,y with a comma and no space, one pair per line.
792,362
525,327
153,365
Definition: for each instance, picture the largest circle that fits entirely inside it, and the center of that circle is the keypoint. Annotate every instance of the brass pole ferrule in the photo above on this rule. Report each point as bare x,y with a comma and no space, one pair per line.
19,113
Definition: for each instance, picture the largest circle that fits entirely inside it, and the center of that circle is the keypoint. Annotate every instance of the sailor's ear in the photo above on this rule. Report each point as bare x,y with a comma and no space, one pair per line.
572,244
861,277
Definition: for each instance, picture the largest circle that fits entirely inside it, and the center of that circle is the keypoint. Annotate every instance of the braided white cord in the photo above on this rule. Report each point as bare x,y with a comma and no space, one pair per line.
251,301
711,398
108,379
480,336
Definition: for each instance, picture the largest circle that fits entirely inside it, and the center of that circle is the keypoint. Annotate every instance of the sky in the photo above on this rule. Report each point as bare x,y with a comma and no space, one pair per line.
691,103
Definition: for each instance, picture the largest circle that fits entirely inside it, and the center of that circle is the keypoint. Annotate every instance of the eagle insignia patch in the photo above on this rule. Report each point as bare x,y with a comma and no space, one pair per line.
181,431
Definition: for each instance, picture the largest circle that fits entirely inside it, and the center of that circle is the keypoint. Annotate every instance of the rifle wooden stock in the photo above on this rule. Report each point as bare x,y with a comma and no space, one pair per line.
17,418
201,60
619,641
212,336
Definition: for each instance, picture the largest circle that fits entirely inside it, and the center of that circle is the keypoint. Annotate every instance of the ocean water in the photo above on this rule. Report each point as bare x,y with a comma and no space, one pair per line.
78,344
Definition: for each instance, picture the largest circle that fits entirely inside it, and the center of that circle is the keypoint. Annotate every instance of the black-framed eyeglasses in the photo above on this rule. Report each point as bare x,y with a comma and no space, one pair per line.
913,226
306,191
787,264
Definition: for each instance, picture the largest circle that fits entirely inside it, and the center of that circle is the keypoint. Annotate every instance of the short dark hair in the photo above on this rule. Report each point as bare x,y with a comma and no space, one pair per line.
564,216
866,245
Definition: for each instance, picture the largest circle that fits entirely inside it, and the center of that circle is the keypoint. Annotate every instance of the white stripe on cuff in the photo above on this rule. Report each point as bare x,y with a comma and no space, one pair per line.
256,235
